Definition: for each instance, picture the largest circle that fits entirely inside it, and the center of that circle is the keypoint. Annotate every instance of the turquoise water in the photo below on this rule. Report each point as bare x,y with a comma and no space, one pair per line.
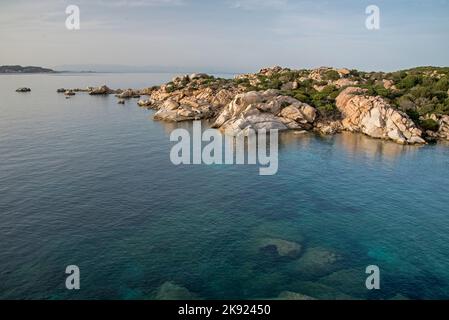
88,182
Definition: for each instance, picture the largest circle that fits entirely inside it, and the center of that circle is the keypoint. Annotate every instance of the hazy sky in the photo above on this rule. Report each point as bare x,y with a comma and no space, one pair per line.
228,35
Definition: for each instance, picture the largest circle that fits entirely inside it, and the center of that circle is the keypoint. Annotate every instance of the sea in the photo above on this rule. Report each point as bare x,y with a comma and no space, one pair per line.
87,182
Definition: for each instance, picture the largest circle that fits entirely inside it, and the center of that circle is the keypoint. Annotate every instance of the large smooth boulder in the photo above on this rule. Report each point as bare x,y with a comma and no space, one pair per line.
145,103
128,94
196,76
374,117
173,111
264,110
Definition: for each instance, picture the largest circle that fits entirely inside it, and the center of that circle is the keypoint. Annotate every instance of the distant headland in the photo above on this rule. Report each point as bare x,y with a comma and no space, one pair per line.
27,69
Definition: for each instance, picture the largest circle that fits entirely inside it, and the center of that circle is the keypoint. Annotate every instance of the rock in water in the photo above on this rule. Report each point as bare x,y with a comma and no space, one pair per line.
69,93
283,248
349,281
121,101
288,295
23,90
145,103
129,93
61,90
317,262
172,291
374,117
102,90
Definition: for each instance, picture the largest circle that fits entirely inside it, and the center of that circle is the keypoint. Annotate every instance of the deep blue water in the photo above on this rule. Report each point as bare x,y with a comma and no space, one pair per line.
88,182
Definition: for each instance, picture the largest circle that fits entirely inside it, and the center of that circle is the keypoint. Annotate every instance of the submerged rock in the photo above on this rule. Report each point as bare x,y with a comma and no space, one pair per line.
374,117
282,248
23,89
289,295
172,291
121,101
320,291
317,262
350,281
399,297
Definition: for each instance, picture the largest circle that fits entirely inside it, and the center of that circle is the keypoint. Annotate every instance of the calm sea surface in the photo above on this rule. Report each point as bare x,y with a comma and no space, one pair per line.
88,182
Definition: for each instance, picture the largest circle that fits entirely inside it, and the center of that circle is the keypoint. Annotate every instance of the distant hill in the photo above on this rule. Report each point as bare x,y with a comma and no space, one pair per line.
28,69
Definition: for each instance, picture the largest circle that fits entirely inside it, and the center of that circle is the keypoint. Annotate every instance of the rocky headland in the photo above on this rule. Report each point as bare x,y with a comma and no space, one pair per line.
407,107
27,69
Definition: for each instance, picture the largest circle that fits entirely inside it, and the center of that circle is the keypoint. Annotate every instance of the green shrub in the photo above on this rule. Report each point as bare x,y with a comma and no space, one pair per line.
442,84
430,124
331,75
413,114
409,82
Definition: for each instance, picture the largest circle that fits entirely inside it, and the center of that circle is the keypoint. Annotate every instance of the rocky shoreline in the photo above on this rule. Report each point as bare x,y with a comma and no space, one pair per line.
324,100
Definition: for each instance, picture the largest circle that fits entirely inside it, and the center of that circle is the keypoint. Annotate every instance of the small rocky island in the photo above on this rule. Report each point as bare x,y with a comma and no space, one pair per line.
28,69
407,107
24,89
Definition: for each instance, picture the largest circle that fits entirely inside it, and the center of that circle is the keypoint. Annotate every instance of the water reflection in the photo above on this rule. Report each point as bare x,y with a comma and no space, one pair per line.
354,144
357,144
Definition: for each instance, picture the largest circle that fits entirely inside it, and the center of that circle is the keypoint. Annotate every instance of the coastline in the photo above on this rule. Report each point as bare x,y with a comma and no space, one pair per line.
324,100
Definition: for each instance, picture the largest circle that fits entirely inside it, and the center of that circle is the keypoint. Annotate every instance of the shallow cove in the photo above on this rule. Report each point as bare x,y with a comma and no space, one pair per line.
88,182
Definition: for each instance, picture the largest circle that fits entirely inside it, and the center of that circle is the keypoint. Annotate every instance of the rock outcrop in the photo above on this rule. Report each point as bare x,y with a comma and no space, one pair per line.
285,99
145,103
443,131
189,98
173,111
23,90
128,94
374,117
264,110
102,90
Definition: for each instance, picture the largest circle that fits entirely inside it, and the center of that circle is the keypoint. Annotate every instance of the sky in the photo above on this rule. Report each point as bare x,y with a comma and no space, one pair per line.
227,35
